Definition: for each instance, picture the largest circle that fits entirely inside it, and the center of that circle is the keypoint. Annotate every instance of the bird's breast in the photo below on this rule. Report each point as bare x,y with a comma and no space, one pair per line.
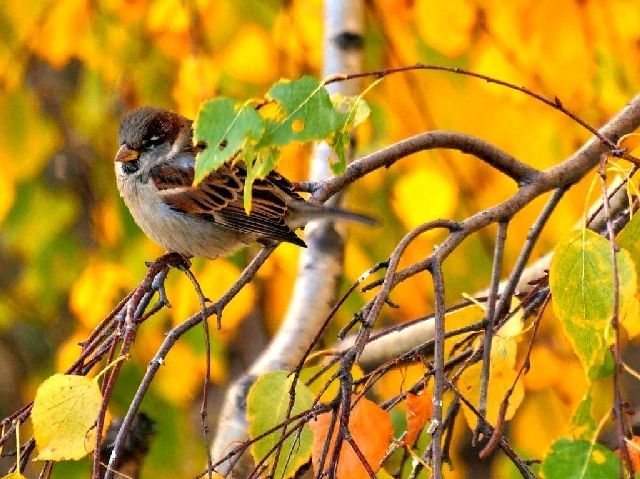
176,231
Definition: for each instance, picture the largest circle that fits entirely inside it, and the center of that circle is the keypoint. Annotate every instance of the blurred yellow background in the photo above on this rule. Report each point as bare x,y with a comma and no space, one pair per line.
69,249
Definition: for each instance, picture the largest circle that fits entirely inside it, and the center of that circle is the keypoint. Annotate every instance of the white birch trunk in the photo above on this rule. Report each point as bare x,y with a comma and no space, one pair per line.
320,263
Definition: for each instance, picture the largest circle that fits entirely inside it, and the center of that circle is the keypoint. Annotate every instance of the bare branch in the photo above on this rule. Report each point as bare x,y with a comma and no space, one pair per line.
559,177
520,172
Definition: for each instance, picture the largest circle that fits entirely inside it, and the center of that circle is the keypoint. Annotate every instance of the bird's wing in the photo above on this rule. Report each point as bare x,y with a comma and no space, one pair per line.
219,198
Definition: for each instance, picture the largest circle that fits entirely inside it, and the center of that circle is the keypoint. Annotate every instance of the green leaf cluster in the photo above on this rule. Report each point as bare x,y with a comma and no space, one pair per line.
254,131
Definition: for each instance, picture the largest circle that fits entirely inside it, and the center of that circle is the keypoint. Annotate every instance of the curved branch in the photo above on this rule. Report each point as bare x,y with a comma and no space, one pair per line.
520,172
559,177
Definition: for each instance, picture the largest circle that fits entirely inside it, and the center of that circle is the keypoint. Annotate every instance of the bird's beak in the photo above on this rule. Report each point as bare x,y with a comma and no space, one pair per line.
126,154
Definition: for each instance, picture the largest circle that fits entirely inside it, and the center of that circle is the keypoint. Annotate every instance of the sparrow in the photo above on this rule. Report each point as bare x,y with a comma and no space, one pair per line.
154,169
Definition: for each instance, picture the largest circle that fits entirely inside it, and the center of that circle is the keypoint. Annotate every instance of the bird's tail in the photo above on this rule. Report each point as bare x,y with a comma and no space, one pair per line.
305,211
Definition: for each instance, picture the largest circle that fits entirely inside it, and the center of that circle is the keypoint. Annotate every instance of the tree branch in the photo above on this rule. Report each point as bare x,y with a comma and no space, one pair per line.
560,177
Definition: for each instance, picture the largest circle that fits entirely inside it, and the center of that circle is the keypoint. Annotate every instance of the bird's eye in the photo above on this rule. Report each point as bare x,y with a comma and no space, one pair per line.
150,142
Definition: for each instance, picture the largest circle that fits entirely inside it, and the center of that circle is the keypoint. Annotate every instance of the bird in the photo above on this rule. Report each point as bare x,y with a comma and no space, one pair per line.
154,169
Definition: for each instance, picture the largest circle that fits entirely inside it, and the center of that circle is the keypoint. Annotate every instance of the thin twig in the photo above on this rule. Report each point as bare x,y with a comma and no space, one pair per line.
204,406
556,104
491,319
438,365
534,233
618,405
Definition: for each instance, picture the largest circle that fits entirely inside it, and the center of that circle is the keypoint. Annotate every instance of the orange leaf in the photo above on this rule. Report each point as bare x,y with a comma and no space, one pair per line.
629,142
419,411
633,447
371,429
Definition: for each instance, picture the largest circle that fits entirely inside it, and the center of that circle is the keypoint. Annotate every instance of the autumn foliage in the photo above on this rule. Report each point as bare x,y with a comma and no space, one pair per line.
70,252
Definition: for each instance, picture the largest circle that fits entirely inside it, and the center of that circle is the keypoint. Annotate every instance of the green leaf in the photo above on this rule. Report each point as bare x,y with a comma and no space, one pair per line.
355,108
265,162
297,111
259,164
267,405
582,424
592,409
581,280
580,459
305,112
354,111
340,145
226,128
629,239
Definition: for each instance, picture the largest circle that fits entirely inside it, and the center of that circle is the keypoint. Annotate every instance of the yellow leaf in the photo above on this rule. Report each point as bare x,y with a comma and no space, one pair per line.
96,291
356,260
517,27
168,16
64,415
409,200
396,381
260,65
197,80
27,134
319,384
128,10
14,475
69,350
630,317
629,142
562,43
278,276
501,377
181,375
168,22
7,191
382,474
490,59
298,126
550,415
106,224
215,278
65,25
446,26
458,319
600,391
546,369
103,52
308,26
504,345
